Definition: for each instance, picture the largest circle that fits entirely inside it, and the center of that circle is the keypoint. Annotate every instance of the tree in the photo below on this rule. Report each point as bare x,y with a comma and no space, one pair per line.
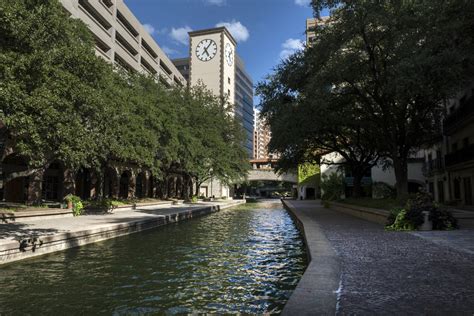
51,86
307,125
397,62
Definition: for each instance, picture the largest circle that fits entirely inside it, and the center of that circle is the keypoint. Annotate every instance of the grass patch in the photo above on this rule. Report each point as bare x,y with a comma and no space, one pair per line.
384,204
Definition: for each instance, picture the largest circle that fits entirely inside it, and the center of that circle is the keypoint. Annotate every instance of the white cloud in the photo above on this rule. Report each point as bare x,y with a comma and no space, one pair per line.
238,31
180,34
169,51
303,3
291,46
149,28
215,2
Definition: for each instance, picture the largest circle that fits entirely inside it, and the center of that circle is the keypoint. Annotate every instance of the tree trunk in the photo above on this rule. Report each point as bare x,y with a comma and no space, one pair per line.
186,191
357,192
198,185
400,166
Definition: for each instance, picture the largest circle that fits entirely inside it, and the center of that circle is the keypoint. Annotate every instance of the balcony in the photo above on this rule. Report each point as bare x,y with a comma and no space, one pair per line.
461,156
459,117
433,166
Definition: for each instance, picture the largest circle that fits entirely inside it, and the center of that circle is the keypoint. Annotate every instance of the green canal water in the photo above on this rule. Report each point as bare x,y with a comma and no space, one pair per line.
247,259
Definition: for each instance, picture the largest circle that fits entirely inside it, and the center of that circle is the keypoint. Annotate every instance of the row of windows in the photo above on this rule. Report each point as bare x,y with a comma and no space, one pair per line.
119,37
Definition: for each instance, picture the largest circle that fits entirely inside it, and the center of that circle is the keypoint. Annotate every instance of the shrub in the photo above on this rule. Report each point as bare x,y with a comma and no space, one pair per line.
332,186
443,219
194,199
412,217
401,221
77,206
382,190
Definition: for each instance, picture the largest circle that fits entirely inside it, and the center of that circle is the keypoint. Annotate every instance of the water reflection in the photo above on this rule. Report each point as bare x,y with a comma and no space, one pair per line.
245,261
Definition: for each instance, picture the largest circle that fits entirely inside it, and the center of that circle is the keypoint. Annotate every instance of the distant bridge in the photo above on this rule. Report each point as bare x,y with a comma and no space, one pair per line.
271,175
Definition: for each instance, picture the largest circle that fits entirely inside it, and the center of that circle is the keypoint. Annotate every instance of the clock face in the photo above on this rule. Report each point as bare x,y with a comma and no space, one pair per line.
206,49
229,54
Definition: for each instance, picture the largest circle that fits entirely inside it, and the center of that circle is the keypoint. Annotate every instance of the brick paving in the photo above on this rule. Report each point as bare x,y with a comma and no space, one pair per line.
398,272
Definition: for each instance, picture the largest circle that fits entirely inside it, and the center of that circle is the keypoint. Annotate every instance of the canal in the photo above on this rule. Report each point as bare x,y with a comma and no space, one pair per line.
247,259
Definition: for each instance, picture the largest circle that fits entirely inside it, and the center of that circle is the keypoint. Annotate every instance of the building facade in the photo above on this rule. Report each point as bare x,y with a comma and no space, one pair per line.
121,39
261,138
449,163
244,102
311,25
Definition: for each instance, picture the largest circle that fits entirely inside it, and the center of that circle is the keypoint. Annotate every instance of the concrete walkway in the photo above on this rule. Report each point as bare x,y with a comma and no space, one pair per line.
396,273
19,240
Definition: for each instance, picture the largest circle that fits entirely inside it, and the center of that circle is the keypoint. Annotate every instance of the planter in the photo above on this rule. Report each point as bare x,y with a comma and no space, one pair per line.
427,224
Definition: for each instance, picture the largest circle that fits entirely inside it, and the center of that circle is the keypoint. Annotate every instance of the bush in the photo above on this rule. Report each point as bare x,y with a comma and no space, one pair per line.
194,199
412,217
401,221
382,190
332,186
77,206
443,219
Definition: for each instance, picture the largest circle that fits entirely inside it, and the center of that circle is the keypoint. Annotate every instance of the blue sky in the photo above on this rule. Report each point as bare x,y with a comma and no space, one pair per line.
266,30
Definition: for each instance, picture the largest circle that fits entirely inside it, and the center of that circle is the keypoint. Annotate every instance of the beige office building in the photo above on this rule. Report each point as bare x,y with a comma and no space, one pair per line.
121,39
262,136
311,25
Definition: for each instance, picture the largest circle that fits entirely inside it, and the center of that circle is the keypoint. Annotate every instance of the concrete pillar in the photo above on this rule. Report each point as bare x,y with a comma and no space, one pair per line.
35,187
115,189
145,184
132,185
69,183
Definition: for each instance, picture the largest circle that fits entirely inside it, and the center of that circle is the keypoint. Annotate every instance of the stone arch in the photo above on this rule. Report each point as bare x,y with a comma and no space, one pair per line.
52,187
83,181
15,190
126,185
414,186
141,185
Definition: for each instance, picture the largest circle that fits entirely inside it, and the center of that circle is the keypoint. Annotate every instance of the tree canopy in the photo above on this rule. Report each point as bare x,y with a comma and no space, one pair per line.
61,102
374,80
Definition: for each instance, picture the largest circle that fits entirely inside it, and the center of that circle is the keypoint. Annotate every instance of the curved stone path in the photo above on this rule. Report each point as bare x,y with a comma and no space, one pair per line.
396,273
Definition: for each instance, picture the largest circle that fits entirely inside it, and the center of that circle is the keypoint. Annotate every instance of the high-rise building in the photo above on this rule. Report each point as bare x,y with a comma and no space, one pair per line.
121,39
261,138
244,102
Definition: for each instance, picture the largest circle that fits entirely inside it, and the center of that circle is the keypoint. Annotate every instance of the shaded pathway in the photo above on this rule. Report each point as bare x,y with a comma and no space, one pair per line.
396,272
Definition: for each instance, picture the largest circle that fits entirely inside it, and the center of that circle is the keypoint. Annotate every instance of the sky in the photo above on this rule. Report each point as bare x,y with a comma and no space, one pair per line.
265,30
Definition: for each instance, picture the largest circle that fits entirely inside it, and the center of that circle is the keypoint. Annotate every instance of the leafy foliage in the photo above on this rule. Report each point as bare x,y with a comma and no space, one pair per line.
382,190
412,216
373,84
61,102
77,206
332,186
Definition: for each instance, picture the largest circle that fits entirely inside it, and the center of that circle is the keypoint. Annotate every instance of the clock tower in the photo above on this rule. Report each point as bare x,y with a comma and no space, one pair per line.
212,56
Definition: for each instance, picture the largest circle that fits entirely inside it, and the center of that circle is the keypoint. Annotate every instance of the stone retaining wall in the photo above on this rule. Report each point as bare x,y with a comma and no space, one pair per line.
31,246
369,214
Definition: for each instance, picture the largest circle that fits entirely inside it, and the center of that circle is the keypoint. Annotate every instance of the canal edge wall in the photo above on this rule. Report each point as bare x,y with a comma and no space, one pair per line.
318,289
15,251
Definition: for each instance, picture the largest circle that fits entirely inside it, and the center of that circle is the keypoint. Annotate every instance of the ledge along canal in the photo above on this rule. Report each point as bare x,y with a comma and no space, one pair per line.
246,259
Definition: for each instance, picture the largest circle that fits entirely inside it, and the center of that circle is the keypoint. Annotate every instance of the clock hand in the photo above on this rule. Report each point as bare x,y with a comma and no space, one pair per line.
205,50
